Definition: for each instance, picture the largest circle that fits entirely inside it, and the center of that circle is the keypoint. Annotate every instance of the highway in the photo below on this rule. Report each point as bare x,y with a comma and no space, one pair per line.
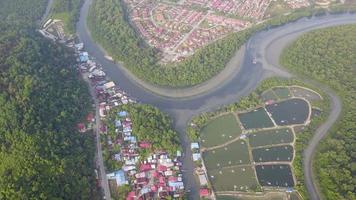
182,104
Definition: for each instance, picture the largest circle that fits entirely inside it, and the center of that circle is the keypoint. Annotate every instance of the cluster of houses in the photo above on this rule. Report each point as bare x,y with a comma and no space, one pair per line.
54,29
201,173
254,9
155,177
295,4
107,92
158,175
178,30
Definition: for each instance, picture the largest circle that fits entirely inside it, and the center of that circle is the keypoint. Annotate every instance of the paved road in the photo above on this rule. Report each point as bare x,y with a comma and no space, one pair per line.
99,153
313,143
266,46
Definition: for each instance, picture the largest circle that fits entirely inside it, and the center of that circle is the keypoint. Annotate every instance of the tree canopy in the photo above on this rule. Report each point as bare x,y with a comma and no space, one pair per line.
329,56
41,99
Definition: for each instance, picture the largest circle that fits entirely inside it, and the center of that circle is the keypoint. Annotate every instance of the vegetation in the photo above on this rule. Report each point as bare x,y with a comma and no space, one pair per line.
42,155
329,56
68,11
20,11
150,125
41,98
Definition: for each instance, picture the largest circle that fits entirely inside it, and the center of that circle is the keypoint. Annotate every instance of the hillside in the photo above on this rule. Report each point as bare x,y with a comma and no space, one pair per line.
41,98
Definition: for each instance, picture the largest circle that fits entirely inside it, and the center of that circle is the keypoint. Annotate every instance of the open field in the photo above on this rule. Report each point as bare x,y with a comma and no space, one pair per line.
289,112
234,178
271,137
255,119
273,154
219,131
275,175
233,154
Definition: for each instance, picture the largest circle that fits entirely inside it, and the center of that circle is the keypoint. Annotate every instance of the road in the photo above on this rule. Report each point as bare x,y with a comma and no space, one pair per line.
182,104
99,153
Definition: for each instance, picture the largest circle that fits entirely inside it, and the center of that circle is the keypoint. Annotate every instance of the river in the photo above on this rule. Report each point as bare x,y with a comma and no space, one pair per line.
266,45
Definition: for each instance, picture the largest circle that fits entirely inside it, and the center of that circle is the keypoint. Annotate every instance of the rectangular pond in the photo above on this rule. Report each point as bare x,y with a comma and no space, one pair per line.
275,175
270,137
289,112
233,179
273,154
233,154
220,130
255,119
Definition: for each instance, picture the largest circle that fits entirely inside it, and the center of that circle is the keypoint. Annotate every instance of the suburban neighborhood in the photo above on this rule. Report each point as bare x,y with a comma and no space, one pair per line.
177,30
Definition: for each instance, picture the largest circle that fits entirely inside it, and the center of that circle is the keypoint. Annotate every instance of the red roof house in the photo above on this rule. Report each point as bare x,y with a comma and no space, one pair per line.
131,195
81,127
145,167
204,192
90,117
145,145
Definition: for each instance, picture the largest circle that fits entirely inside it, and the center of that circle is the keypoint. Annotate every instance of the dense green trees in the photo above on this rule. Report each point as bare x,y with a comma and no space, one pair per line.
41,99
21,11
68,11
329,56
151,125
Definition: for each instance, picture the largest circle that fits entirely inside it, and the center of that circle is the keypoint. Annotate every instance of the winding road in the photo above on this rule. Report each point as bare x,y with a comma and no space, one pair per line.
239,78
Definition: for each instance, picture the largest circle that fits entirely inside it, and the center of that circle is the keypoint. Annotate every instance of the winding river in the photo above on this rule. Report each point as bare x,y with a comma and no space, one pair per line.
242,78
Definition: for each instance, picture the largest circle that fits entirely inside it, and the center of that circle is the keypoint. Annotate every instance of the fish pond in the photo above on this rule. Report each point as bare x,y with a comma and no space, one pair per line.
255,119
289,112
233,154
273,154
275,175
271,137
233,178
220,130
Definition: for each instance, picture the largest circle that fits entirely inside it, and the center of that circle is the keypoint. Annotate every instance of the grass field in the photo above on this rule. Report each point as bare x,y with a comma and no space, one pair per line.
255,119
282,92
271,137
220,130
270,154
232,179
233,154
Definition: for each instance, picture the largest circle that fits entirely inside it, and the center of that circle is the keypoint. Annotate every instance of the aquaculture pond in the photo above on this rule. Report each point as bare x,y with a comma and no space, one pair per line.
233,154
220,130
282,92
275,175
289,112
225,197
305,93
271,137
272,154
233,178
269,96
255,119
